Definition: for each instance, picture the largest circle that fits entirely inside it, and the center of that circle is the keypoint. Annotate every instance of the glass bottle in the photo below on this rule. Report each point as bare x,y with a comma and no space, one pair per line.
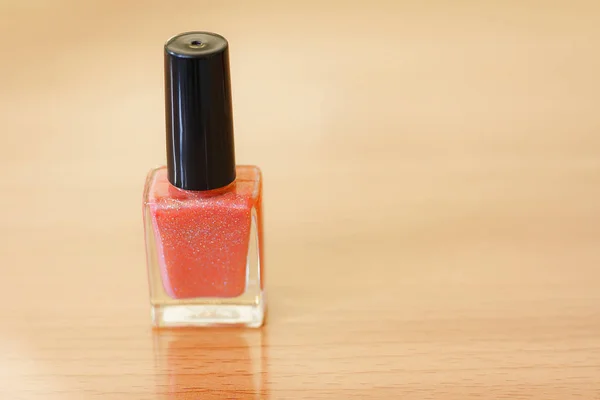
202,213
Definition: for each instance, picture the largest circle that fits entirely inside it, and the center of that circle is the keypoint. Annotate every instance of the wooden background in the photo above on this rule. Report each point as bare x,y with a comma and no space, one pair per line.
432,199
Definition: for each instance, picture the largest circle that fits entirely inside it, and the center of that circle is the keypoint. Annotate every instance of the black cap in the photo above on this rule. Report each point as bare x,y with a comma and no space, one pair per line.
200,149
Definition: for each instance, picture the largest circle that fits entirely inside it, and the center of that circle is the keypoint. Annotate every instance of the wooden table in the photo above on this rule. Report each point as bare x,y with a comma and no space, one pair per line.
432,200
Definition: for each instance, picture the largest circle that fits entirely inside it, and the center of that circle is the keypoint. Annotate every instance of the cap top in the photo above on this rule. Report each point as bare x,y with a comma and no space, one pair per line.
196,45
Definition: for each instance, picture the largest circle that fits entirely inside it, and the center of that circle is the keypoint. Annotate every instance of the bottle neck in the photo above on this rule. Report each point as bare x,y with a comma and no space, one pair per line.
178,193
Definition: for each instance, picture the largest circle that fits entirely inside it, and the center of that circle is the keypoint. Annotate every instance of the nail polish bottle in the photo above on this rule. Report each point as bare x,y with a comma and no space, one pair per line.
202,213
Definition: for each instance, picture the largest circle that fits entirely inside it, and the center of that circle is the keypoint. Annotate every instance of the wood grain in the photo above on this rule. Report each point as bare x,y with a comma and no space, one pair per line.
432,200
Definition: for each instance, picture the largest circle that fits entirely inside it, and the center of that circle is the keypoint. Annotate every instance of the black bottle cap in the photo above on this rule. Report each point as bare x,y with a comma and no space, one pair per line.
200,148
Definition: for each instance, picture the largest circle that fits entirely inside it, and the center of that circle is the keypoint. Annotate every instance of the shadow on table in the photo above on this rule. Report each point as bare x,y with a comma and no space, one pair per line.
211,363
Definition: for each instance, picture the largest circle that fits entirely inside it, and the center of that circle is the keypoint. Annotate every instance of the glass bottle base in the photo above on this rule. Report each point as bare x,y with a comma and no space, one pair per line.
205,315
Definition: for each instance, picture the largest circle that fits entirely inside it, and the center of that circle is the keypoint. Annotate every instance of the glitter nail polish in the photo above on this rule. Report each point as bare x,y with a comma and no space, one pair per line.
202,213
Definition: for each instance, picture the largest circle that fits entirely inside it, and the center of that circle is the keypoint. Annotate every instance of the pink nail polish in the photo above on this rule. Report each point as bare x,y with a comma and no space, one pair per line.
202,213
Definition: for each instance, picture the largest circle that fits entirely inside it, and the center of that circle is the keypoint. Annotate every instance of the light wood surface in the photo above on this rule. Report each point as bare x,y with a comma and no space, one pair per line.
432,199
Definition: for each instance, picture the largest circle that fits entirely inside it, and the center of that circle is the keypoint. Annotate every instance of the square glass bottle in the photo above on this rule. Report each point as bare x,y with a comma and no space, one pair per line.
202,213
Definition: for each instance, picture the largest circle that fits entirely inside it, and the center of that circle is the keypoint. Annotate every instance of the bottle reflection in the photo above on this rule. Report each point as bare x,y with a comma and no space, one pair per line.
210,364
